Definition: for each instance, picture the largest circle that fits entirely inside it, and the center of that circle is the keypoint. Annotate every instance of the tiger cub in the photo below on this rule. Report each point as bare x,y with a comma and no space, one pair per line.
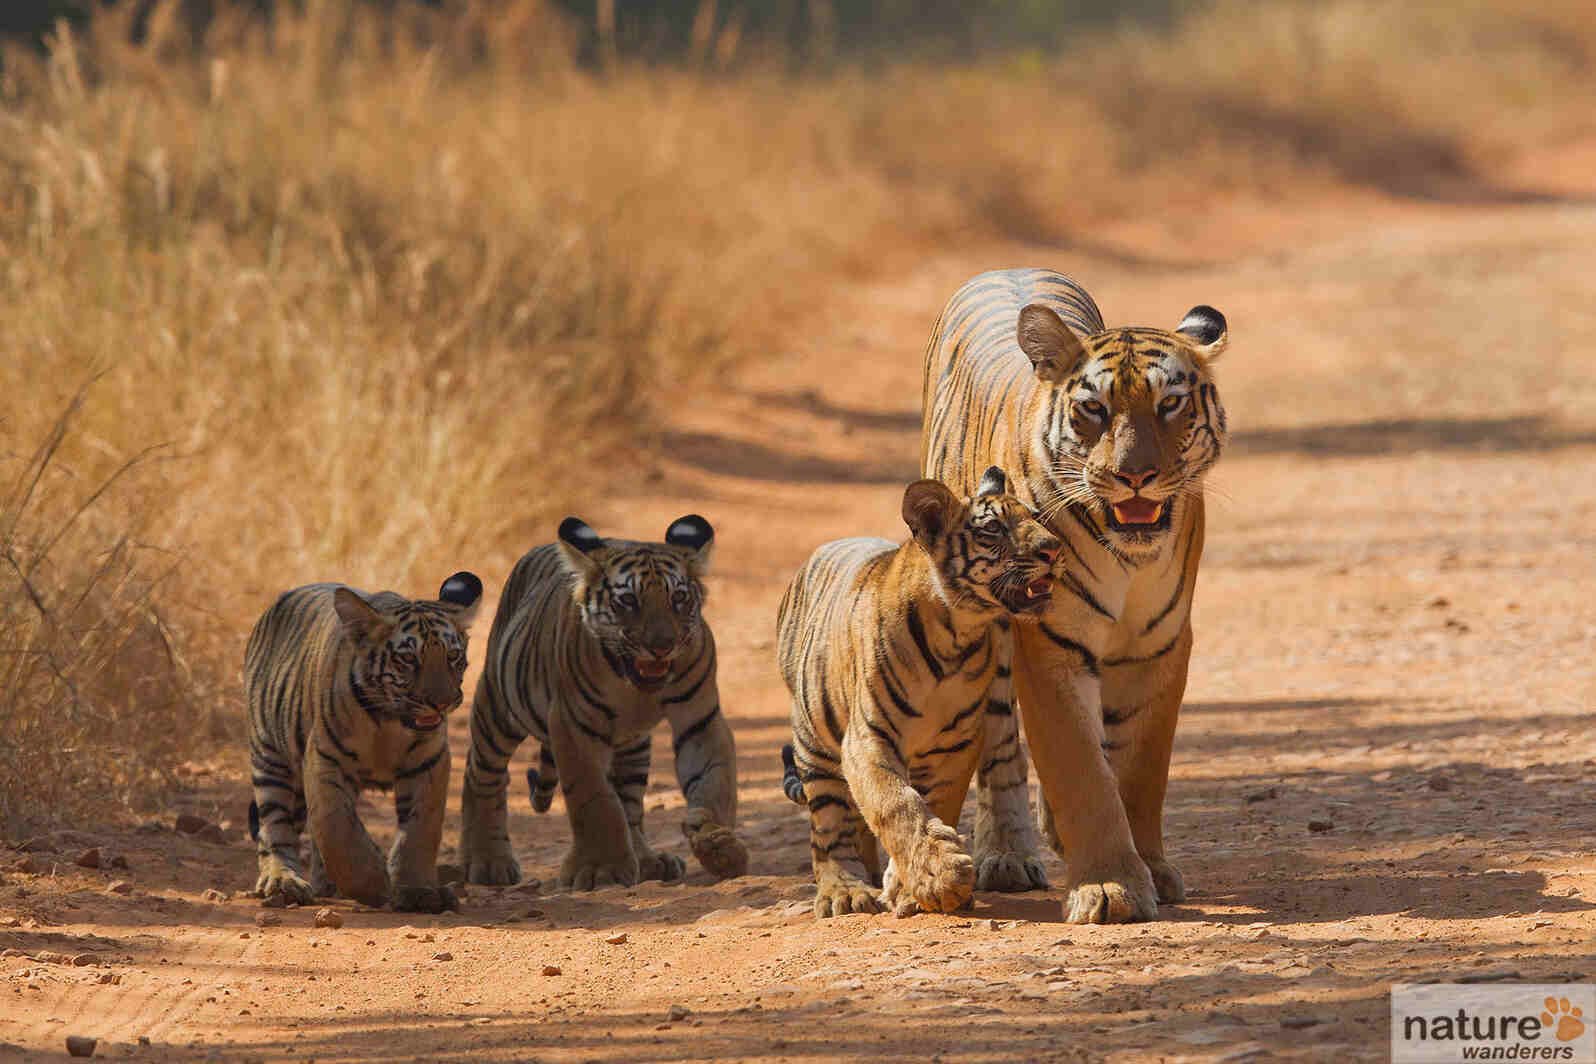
890,653
595,642
349,690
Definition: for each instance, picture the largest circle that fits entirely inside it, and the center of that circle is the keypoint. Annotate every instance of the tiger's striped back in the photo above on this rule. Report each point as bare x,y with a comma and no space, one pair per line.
977,381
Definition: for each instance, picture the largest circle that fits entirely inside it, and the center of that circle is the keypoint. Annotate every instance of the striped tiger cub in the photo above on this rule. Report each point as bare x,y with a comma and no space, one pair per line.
892,654
595,642
349,690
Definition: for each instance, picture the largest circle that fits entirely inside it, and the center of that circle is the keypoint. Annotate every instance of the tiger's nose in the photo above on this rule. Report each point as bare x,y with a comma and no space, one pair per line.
1047,550
1135,479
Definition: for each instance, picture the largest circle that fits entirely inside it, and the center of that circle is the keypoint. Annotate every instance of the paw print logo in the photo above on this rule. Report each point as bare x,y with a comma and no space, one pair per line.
1565,1016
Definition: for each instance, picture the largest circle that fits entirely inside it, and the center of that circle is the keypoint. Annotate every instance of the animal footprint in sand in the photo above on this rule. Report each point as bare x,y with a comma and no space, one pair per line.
1567,1018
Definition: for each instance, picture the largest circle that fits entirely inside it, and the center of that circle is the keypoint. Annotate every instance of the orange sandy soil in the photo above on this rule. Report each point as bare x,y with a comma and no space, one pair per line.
1395,632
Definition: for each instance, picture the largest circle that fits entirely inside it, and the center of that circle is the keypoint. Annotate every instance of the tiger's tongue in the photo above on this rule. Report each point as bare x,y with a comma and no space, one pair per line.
1137,511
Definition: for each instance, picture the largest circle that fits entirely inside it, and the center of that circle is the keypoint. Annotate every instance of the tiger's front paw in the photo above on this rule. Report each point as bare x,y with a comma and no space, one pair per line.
494,870
938,876
283,886
425,900
1009,871
1167,880
665,867
580,872
840,895
720,852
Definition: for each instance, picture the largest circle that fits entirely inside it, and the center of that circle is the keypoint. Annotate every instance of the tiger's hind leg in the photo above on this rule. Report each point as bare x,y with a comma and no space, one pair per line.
543,781
836,831
278,818
629,776
485,852
1006,857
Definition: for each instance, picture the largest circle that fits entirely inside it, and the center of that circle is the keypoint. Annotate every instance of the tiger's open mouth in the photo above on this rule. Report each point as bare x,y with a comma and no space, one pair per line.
1137,514
424,720
651,672
1031,597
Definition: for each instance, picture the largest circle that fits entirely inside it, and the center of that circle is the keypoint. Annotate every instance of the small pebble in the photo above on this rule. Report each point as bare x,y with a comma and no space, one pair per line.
267,919
89,858
189,824
1297,1023
328,918
80,1046
677,1013
616,939
1321,825
443,956
212,894
121,886
551,969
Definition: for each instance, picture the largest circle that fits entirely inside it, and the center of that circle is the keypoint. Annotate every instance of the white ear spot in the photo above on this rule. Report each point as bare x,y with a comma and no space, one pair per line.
1206,328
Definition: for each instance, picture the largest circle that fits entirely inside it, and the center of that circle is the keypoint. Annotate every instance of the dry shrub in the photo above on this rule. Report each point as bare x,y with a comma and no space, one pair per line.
94,706
395,288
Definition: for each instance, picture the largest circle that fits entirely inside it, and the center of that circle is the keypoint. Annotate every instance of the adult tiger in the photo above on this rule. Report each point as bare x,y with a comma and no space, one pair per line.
1110,432
348,690
595,642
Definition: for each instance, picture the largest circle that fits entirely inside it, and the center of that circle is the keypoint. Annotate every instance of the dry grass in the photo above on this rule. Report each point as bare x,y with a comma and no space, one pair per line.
393,292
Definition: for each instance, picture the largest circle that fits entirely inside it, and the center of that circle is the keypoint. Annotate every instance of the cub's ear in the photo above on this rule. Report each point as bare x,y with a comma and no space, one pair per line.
356,615
1053,349
993,482
930,510
1205,327
578,542
694,534
464,592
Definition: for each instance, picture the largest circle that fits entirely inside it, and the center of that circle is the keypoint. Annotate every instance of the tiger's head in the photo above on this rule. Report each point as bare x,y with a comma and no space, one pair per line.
410,654
989,551
1133,419
641,600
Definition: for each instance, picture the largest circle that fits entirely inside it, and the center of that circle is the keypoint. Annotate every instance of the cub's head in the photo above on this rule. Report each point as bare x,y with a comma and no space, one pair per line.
1134,418
411,654
642,600
990,552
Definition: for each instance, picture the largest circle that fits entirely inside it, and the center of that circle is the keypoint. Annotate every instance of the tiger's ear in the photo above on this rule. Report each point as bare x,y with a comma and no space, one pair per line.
463,591
1205,327
1053,349
931,511
696,536
578,543
993,482
357,616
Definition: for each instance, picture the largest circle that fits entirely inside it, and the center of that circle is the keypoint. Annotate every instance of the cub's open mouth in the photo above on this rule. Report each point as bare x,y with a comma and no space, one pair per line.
651,669
1030,597
426,720
1138,511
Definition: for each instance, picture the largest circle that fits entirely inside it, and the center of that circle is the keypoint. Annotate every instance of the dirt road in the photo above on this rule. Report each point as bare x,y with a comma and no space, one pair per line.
1382,773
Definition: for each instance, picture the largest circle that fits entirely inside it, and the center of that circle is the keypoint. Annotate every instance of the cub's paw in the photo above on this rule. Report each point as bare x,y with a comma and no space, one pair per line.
665,867
839,897
1126,899
720,852
1166,880
496,870
583,873
1009,871
425,900
937,877
283,887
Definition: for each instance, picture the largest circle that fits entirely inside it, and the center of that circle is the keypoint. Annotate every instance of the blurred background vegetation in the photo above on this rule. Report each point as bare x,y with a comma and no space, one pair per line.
324,289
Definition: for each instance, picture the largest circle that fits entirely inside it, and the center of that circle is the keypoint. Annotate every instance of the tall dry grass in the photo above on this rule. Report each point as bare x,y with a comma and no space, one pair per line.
393,290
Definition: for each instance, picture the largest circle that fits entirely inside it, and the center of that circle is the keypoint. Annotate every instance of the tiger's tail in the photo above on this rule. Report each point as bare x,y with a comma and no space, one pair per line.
542,781
790,782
